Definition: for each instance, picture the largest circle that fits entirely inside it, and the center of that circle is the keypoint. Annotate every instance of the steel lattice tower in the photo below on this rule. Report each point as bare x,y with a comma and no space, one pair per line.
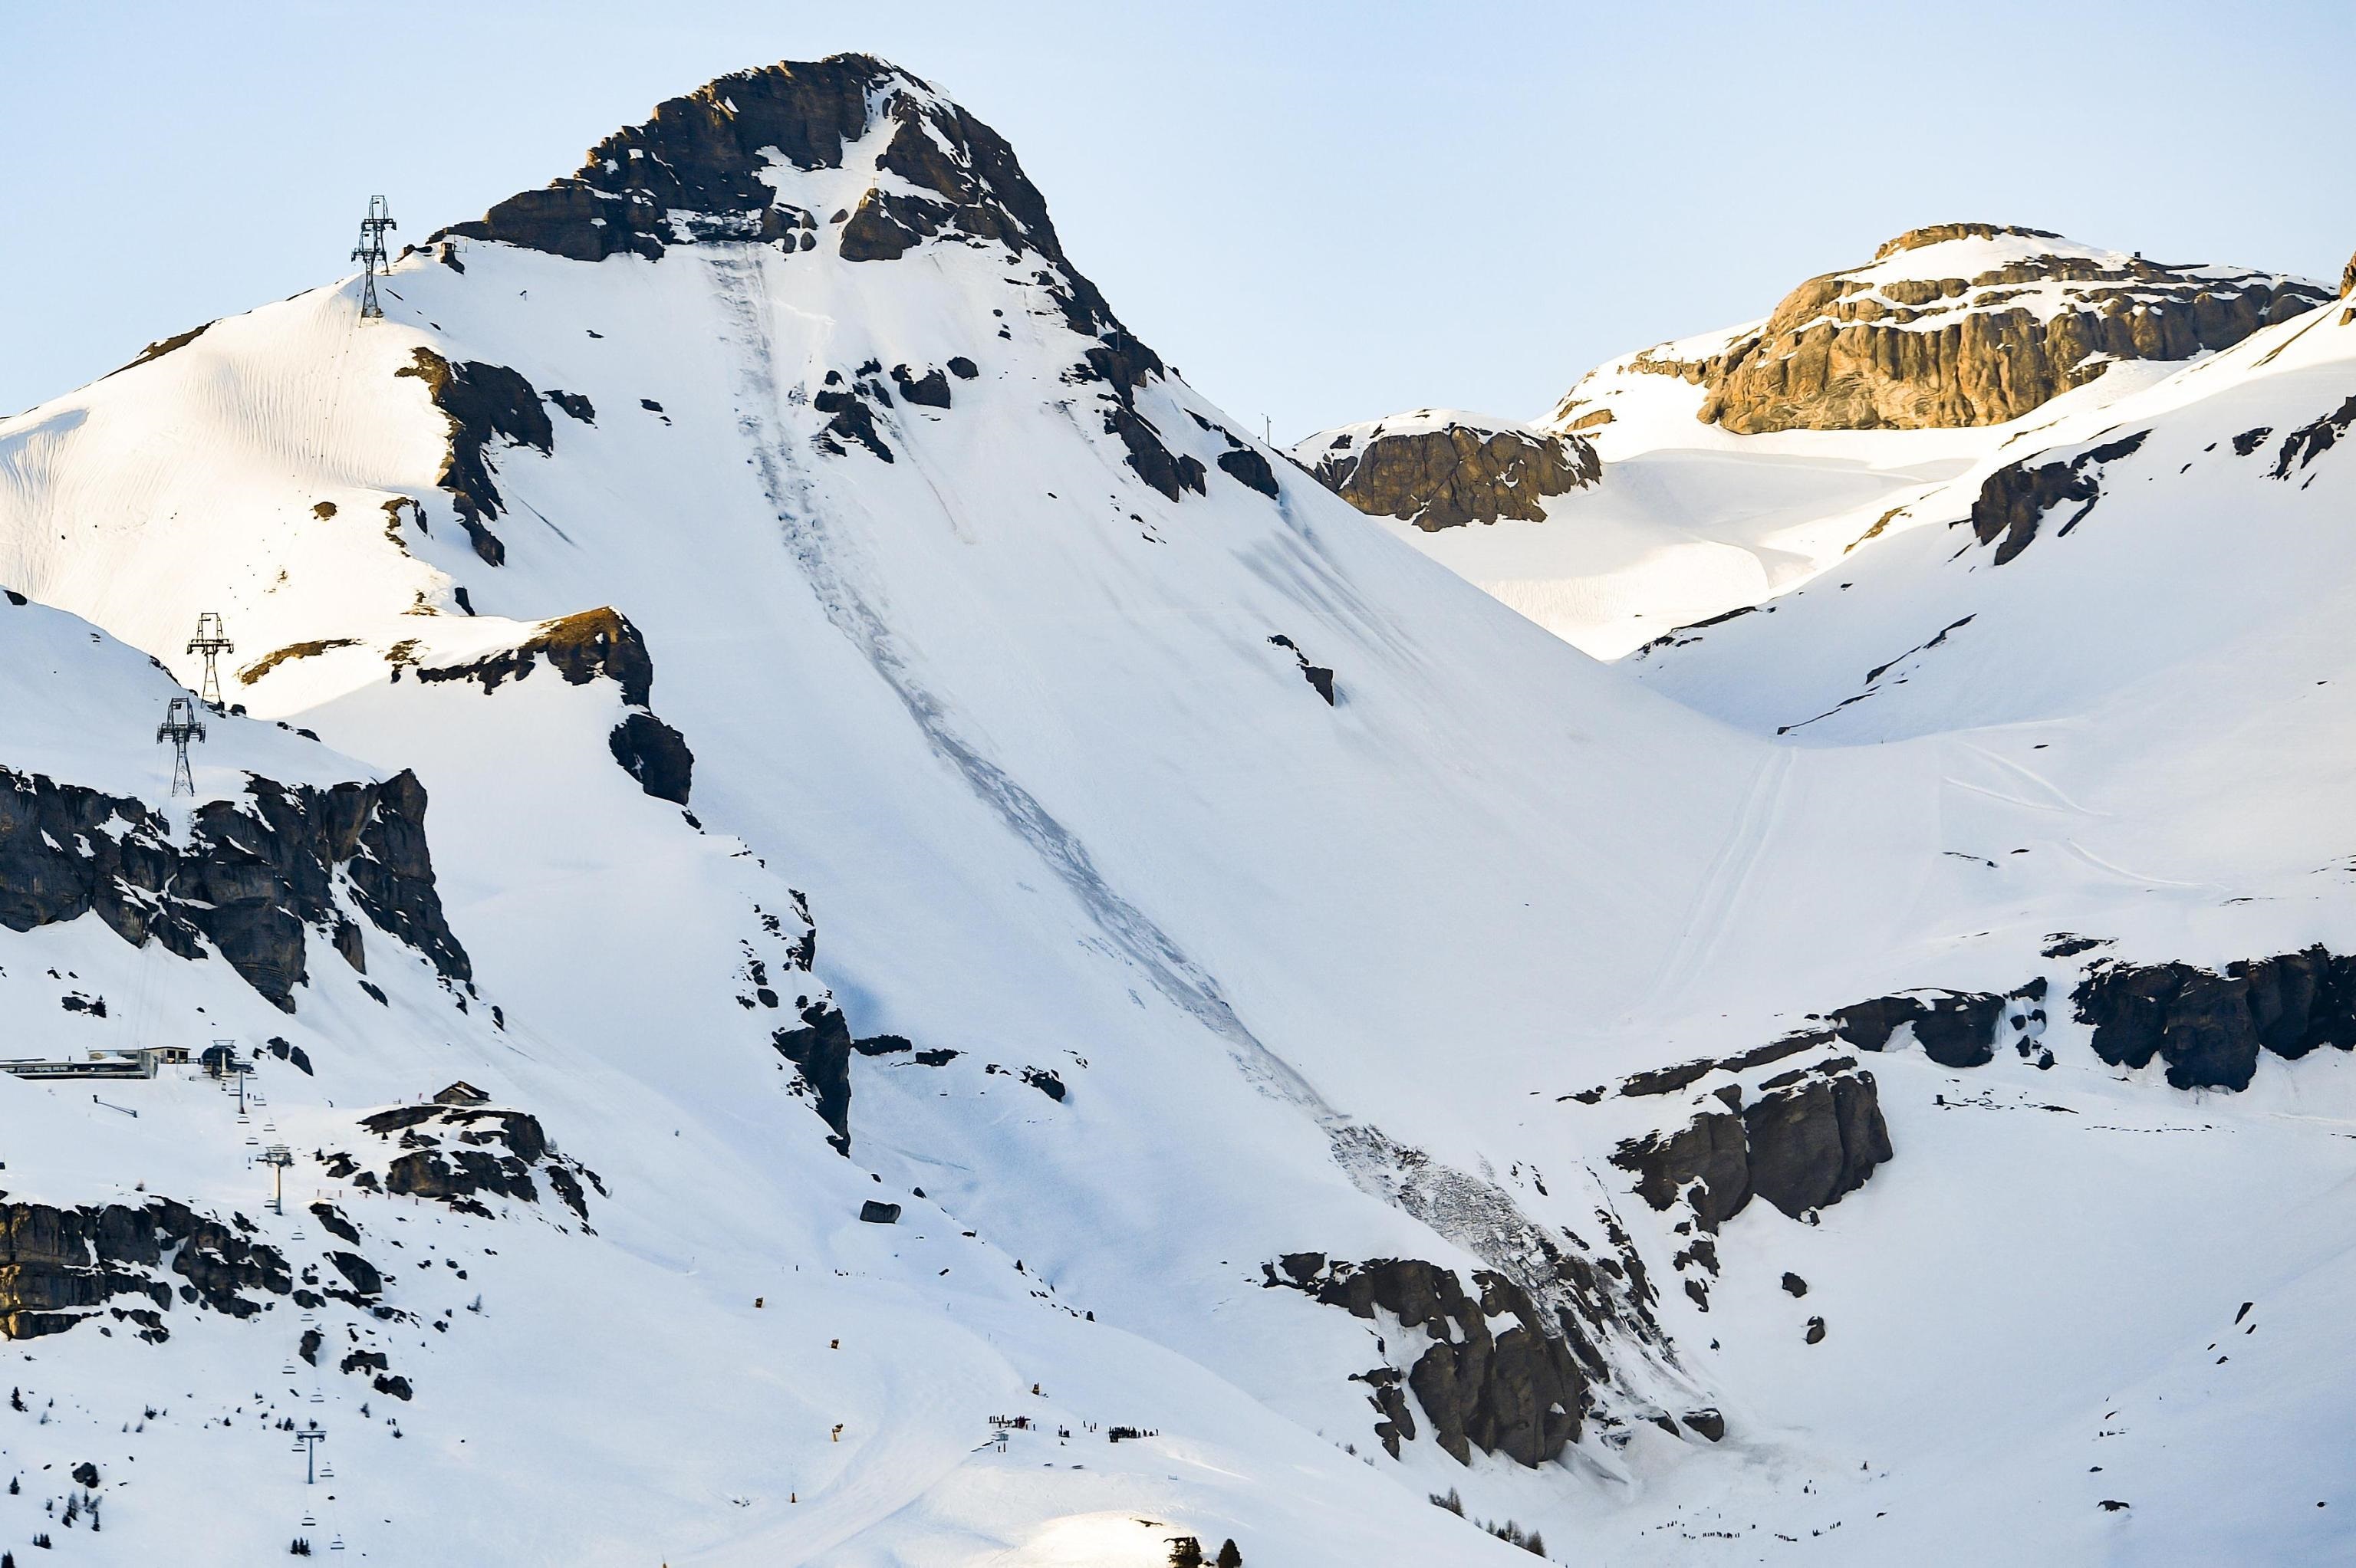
370,254
181,726
212,641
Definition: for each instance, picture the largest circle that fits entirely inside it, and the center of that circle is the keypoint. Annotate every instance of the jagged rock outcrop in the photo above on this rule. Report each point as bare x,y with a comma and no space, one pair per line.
1318,676
60,1265
2312,440
481,402
254,877
1938,331
458,1155
1522,1391
2014,500
821,1052
1810,1139
581,648
1954,1028
693,173
2209,1028
600,642
1444,471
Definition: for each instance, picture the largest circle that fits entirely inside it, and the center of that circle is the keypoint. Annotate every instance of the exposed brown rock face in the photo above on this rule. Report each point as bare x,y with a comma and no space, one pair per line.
583,647
1444,475
1889,348
600,642
253,878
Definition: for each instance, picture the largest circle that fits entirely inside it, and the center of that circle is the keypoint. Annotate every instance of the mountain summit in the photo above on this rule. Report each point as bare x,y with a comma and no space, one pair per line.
1959,323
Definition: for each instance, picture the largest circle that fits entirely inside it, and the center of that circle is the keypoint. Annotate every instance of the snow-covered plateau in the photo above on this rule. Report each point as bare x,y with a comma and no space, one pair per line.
826,920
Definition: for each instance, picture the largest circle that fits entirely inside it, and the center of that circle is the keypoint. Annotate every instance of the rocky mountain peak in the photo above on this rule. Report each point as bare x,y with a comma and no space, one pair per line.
719,165
1961,324
850,156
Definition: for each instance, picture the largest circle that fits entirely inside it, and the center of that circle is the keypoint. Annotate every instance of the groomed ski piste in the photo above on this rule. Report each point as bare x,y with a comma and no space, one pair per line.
1024,881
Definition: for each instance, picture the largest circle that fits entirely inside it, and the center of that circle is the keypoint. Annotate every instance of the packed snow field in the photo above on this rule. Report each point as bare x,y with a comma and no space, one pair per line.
874,939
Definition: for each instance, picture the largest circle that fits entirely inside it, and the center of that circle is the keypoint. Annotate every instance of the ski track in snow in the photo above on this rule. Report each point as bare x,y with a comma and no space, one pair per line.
1721,893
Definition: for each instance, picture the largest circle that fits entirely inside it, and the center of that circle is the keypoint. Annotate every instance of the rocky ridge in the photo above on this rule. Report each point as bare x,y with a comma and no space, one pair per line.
713,167
1440,470
252,878
1960,323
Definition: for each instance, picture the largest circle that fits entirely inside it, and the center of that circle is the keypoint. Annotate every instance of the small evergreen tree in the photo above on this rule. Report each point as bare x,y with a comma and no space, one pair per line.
1228,1556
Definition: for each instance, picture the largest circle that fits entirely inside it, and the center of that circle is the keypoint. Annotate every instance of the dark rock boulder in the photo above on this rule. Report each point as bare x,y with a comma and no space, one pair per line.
331,1220
655,754
879,1213
1804,1144
930,389
1815,1142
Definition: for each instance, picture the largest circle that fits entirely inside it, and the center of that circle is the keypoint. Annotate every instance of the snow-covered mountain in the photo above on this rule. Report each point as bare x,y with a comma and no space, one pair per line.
1740,463
876,939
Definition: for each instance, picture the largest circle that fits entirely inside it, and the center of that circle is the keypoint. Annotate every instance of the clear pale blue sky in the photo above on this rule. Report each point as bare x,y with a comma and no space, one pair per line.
1322,212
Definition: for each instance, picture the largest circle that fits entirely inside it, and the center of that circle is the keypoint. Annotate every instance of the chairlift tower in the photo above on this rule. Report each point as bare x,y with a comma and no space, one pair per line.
181,726
370,253
308,1440
278,1157
212,641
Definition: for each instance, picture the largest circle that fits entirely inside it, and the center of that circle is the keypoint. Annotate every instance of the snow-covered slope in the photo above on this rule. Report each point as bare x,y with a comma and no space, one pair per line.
895,751
1742,462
